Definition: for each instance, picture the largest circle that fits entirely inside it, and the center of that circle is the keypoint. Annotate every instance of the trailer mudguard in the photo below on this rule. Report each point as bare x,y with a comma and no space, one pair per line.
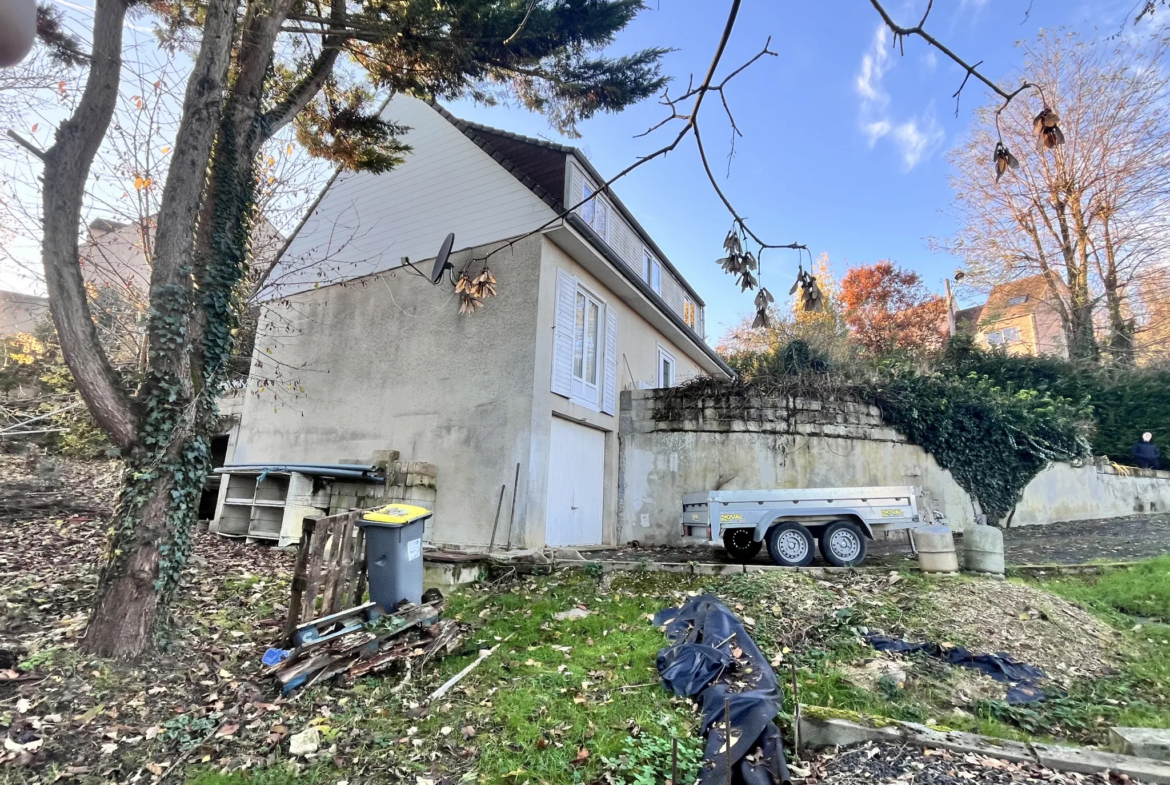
838,513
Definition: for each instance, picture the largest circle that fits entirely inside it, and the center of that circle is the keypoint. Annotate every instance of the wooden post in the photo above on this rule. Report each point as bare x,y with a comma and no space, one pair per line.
299,580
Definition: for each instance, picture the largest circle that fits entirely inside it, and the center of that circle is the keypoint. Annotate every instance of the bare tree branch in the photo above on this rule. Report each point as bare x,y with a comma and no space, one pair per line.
67,165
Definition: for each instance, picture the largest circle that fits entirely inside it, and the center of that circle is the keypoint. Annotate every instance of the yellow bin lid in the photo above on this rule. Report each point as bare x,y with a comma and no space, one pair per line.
400,514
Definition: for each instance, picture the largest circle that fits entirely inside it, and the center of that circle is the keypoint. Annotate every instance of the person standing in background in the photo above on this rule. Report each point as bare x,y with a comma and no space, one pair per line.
1146,453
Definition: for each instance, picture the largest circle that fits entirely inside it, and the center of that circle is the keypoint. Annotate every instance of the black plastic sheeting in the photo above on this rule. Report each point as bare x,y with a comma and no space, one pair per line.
698,664
1002,667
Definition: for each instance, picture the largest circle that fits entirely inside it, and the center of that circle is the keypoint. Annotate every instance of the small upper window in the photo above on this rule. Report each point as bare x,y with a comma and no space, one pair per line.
595,212
689,312
665,368
1018,300
652,271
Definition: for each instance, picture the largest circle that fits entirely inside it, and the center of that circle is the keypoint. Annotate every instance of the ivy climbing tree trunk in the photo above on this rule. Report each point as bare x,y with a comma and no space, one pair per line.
168,456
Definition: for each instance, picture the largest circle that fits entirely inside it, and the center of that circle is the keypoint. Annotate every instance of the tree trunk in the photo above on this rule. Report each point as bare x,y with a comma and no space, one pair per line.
153,520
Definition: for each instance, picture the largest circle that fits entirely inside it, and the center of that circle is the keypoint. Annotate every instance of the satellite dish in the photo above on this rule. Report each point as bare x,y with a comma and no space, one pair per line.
442,260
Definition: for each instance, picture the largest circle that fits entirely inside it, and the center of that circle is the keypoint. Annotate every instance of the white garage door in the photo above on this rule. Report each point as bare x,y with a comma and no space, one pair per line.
576,484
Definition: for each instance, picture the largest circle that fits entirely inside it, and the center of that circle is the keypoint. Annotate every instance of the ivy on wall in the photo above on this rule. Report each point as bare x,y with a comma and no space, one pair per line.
992,439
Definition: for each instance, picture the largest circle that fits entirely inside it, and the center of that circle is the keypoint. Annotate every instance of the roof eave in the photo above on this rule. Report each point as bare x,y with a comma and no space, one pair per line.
602,248
642,233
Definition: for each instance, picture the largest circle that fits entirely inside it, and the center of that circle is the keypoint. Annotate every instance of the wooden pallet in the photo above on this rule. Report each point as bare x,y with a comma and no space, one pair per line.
330,571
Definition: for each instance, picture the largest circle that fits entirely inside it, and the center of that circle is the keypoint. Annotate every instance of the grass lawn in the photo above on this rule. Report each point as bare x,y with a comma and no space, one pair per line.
570,700
579,700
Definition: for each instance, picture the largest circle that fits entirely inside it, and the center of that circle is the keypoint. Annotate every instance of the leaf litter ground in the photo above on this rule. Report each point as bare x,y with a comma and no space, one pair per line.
574,699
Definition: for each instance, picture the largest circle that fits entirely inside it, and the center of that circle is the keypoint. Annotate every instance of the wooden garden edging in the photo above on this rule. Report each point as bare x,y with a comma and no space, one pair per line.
330,567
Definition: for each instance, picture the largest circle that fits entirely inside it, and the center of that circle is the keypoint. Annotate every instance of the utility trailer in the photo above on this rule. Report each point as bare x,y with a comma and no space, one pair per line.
788,520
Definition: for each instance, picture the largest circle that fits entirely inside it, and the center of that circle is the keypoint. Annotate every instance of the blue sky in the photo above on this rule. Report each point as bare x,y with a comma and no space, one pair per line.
844,139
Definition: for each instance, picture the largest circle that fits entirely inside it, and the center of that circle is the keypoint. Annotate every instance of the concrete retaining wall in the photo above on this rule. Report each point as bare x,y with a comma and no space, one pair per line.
786,443
1078,493
666,451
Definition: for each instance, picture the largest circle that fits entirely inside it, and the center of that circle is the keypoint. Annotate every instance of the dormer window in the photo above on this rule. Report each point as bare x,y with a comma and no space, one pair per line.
1018,300
595,212
652,271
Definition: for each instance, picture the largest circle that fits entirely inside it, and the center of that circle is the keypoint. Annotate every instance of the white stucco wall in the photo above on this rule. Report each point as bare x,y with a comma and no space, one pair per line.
387,363
637,358
1078,493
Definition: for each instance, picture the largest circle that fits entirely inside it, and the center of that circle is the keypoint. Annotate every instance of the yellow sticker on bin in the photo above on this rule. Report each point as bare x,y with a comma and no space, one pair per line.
396,513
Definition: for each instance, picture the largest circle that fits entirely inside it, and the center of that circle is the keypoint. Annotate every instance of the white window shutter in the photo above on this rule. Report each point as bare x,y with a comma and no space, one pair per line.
609,394
562,365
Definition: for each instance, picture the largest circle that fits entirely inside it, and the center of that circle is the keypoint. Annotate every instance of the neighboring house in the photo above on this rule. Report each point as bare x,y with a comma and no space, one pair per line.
1019,317
526,387
20,313
118,256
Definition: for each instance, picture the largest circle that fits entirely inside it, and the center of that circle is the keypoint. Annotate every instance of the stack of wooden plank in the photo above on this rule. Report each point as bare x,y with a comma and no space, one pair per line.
358,643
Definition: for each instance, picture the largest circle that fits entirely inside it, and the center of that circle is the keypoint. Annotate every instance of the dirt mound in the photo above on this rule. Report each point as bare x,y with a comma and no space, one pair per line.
1029,624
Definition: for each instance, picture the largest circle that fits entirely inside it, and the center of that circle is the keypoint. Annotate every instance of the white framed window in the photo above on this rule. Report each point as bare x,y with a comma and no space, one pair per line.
652,271
595,212
689,312
584,346
1004,336
666,368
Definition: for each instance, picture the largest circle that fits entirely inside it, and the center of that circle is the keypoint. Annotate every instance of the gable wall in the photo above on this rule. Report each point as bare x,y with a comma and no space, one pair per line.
366,222
387,363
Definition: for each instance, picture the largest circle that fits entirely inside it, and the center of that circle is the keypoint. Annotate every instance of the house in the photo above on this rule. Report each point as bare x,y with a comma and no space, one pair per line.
21,313
1019,317
516,403
117,256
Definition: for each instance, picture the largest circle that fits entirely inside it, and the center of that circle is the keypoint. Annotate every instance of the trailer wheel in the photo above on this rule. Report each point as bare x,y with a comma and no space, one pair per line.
790,545
740,544
842,544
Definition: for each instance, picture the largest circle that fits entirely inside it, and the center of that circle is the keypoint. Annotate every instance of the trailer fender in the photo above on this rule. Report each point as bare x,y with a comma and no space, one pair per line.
840,513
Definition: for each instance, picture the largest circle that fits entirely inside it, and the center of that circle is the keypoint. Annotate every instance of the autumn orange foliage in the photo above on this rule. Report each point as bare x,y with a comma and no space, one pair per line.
888,308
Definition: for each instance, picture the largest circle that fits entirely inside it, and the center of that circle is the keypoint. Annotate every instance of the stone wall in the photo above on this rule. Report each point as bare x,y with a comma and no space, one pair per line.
761,443
666,451
1078,493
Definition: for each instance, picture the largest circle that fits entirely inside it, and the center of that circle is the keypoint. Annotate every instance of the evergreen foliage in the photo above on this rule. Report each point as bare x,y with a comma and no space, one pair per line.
1122,402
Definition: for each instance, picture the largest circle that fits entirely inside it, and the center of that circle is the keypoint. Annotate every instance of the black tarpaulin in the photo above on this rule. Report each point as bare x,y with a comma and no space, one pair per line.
1020,676
699,664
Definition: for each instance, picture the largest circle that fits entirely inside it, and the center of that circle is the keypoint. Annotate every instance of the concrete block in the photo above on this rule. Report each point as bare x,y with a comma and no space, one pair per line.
445,575
716,569
817,733
1086,761
1142,742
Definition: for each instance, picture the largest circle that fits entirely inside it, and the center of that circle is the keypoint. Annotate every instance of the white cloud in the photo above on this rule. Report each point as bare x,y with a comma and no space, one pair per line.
916,138
930,60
